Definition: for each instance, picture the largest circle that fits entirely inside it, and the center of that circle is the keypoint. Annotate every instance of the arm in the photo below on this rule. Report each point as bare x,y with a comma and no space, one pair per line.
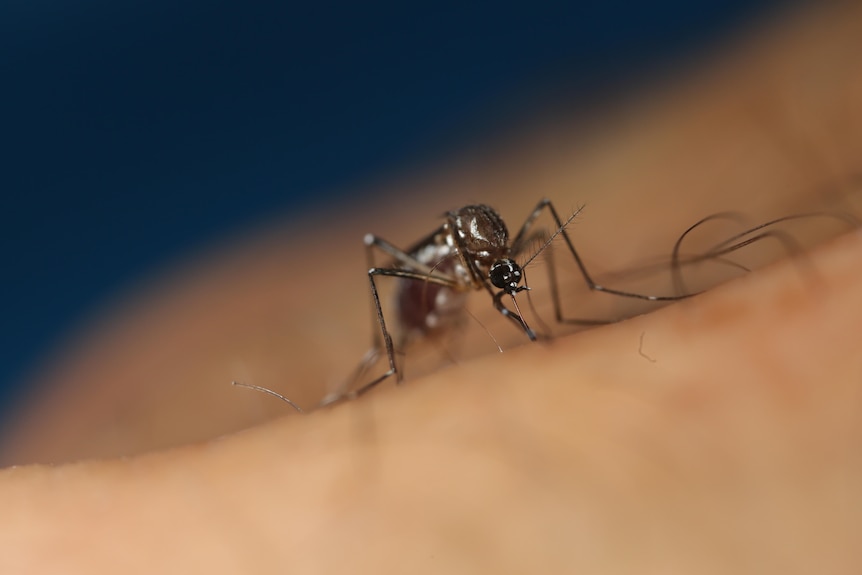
737,448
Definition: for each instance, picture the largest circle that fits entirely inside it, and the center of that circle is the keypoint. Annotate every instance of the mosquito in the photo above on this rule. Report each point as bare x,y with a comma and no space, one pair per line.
471,251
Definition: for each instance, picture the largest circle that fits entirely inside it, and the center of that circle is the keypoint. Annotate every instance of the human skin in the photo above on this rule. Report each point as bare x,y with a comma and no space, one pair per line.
720,434
731,442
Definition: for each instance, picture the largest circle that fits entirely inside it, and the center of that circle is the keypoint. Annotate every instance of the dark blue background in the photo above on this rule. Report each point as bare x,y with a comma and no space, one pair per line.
134,131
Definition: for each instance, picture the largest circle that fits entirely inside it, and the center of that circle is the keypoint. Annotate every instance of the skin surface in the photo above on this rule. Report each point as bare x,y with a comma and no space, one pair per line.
608,460
720,434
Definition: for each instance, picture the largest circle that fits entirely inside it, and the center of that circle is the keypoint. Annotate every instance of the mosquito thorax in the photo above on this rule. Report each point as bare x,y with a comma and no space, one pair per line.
482,233
506,275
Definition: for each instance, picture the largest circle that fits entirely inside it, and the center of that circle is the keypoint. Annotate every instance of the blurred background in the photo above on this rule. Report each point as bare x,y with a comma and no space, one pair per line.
137,133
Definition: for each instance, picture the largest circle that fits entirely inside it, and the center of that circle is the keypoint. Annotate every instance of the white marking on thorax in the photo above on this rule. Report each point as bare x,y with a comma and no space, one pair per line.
450,239
474,230
432,254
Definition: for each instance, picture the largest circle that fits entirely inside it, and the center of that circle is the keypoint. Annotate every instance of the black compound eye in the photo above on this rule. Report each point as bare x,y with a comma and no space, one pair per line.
506,275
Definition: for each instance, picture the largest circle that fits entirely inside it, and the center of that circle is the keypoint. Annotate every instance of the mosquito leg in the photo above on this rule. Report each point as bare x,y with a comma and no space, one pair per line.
523,239
376,343
728,245
592,284
717,252
737,242
676,267
542,325
387,338
555,296
521,243
517,319
372,355
373,242
368,360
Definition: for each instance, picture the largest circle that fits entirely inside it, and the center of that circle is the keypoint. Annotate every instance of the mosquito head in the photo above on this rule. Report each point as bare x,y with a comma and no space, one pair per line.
507,275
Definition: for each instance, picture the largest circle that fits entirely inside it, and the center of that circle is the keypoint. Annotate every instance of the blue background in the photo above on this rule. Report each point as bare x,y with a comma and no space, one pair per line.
136,131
